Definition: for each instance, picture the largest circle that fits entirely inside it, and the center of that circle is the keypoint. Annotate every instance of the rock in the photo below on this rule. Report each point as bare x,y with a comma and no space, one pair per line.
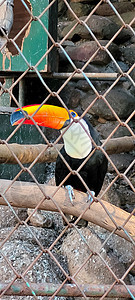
79,9
121,101
83,52
83,85
21,249
128,53
94,270
126,196
106,129
111,194
75,98
102,27
119,193
127,18
80,1
106,9
62,8
115,244
61,26
121,161
67,94
41,218
38,219
8,218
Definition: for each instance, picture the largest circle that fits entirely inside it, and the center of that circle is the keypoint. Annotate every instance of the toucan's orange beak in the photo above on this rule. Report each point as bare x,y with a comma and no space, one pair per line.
47,115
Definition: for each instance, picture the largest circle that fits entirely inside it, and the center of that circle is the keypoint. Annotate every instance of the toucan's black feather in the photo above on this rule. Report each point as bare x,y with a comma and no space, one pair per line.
93,172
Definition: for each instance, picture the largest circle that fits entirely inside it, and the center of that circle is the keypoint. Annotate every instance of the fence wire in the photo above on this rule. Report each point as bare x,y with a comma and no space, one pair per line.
69,286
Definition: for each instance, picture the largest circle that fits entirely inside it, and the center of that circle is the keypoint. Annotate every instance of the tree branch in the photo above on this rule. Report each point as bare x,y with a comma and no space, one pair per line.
104,214
28,153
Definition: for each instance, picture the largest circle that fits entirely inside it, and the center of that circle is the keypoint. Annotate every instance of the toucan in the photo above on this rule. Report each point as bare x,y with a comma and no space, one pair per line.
79,152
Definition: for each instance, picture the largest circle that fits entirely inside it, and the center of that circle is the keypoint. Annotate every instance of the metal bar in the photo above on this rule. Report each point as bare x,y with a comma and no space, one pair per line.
76,76
101,76
68,290
22,92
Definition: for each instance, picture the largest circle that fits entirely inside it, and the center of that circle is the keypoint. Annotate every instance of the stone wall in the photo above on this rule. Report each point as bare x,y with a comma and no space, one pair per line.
78,94
80,46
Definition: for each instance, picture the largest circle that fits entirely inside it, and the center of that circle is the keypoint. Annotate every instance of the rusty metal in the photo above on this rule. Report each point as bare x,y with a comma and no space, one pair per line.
68,290
70,286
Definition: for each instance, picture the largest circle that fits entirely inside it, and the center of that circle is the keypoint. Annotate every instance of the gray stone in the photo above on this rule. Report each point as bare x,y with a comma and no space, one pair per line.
75,98
96,23
106,10
106,129
115,244
94,271
119,193
127,18
21,249
80,1
121,101
8,218
102,27
121,161
83,52
79,9
61,8
128,53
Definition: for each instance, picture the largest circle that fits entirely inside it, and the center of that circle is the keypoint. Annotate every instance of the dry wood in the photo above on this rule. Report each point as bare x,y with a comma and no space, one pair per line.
24,194
28,153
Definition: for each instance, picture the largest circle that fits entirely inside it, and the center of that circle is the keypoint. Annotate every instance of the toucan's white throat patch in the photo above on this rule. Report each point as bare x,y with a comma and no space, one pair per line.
77,141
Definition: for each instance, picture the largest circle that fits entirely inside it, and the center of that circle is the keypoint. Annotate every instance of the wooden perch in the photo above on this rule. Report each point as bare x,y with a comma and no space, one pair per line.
24,194
27,153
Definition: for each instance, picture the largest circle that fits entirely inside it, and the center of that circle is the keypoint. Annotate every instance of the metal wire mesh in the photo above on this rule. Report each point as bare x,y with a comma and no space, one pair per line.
28,287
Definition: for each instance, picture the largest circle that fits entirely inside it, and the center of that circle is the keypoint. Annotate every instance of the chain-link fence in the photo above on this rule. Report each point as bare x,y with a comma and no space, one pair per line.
86,46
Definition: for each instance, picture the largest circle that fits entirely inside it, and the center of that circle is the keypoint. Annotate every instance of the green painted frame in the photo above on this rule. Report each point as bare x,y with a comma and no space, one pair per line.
35,44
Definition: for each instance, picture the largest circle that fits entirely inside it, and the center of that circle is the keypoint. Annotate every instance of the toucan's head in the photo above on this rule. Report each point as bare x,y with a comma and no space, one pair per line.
77,142
46,115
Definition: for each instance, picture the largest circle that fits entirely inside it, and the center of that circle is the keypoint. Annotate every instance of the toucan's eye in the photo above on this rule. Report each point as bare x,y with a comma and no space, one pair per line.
73,114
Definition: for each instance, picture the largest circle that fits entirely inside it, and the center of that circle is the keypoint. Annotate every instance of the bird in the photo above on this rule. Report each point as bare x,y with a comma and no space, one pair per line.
79,151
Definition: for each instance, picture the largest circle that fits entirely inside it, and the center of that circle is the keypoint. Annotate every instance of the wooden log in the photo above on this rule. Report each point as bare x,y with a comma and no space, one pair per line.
28,153
28,195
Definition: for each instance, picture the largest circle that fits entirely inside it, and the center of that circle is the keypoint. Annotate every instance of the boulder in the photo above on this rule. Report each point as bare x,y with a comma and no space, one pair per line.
121,101
106,10
80,1
80,9
127,18
121,161
94,271
119,193
102,27
21,249
106,129
128,53
62,8
83,52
